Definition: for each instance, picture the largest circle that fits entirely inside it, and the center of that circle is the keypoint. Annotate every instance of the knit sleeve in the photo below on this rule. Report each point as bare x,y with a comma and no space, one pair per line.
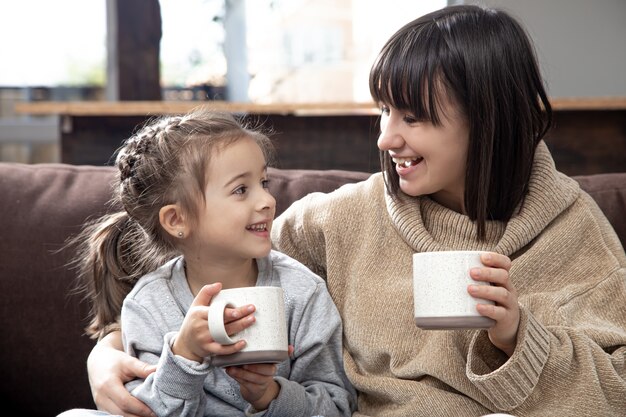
508,383
583,355
298,232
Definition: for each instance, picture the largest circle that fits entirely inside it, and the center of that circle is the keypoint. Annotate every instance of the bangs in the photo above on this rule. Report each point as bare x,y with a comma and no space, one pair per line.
407,74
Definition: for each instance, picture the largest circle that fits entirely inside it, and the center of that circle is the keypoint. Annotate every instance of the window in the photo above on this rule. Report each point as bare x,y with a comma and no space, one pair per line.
320,50
47,43
293,50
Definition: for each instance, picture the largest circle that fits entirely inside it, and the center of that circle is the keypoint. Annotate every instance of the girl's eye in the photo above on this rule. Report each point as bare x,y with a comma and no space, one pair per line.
384,110
240,190
265,183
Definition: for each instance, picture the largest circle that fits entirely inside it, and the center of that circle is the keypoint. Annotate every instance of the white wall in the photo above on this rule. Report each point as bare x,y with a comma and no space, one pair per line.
581,44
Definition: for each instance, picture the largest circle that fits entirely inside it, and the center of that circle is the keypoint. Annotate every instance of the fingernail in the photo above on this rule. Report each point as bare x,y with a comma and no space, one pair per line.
250,308
472,288
475,272
487,257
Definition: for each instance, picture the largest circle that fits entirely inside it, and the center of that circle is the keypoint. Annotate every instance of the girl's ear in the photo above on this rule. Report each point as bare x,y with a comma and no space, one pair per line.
173,221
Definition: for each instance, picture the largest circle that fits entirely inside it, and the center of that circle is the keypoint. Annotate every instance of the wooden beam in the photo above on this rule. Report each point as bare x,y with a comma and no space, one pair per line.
142,108
133,45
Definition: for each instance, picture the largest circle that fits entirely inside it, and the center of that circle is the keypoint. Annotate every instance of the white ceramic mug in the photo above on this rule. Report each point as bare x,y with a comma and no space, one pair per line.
440,281
266,339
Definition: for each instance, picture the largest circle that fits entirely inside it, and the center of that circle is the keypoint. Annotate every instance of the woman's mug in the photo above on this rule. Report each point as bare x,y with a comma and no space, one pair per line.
266,339
441,300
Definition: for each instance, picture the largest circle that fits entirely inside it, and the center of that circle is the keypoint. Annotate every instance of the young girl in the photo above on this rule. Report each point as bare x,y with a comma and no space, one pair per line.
464,111
196,185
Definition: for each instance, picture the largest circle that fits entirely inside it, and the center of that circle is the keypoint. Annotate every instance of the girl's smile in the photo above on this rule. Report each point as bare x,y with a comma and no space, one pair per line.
261,229
237,213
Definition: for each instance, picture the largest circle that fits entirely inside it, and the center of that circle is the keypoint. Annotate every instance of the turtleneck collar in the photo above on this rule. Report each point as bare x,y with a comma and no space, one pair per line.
427,226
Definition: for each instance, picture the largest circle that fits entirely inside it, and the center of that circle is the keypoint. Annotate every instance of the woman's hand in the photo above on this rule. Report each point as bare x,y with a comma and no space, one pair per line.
109,367
194,341
505,312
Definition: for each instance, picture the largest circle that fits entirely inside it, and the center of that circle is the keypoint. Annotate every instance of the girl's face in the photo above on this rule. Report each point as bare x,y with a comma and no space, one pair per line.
235,223
430,160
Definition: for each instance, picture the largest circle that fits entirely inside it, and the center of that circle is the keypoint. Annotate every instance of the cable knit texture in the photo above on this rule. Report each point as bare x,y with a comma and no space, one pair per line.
568,268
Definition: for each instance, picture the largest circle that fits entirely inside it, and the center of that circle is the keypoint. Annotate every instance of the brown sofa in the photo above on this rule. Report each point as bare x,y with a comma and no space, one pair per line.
43,350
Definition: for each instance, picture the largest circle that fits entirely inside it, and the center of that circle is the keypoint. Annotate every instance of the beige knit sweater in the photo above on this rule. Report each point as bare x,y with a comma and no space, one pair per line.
568,268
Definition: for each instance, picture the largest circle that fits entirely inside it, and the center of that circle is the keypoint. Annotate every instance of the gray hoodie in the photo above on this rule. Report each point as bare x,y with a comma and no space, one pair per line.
312,381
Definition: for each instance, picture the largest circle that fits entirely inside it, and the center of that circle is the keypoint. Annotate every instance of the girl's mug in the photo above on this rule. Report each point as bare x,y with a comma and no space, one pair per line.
266,339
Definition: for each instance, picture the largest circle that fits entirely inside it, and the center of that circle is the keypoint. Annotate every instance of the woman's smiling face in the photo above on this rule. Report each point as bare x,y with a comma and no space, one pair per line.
429,159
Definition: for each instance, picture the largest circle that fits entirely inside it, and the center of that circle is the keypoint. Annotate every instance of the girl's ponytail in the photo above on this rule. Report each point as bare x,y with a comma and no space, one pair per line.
113,253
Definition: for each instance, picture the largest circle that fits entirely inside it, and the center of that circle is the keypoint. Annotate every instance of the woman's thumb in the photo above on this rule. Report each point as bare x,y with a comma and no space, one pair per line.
140,369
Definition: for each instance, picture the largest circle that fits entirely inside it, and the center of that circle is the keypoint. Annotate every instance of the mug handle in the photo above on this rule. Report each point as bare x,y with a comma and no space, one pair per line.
216,322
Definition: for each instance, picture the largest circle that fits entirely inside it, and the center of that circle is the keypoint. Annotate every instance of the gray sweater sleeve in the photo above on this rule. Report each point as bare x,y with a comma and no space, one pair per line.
317,384
176,387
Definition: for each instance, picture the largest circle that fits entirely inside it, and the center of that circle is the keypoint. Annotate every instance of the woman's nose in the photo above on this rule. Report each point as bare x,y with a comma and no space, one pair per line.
390,136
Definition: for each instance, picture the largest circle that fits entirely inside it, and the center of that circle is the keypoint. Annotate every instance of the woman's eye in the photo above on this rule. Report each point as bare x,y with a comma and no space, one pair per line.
240,190
265,183
410,119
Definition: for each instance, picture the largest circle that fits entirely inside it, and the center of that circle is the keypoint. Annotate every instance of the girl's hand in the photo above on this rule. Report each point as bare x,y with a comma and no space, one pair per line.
256,383
194,341
505,312
109,367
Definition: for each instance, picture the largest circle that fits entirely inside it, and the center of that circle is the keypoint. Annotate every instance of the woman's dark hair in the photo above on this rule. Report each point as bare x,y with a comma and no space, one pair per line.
166,162
483,60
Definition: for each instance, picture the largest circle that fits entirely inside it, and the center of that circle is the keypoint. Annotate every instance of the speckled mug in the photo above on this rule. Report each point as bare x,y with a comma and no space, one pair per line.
440,281
266,340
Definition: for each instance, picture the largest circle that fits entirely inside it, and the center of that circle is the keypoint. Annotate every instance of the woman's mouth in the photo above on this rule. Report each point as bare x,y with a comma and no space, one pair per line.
406,162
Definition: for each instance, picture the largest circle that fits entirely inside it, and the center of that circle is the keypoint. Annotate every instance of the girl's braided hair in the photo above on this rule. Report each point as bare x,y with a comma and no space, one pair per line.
165,162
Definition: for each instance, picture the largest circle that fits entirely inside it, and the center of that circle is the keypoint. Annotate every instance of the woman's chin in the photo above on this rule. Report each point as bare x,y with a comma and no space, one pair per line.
410,189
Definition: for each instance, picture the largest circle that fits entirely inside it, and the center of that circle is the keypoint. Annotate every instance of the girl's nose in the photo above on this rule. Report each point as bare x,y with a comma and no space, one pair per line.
267,201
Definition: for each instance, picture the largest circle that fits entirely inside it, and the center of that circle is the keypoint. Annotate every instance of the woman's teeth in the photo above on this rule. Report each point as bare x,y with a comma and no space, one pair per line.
406,162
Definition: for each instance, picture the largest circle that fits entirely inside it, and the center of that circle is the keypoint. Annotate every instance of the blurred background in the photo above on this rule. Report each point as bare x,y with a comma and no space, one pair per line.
284,51
255,51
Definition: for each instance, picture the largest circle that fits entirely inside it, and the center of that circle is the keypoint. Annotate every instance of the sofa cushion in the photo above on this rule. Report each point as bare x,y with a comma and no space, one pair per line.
43,352
609,191
289,185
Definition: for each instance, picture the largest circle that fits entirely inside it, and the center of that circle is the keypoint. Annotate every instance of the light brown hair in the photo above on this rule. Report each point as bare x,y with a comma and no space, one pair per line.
165,162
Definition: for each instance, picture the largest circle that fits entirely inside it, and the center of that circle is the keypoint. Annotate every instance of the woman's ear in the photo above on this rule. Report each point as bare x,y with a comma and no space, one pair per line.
173,221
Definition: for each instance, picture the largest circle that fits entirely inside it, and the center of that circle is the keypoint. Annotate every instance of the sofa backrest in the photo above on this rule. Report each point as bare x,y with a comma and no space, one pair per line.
43,350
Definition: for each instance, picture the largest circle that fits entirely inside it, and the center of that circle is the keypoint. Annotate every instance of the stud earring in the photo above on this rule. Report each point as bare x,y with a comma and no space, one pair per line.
180,234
